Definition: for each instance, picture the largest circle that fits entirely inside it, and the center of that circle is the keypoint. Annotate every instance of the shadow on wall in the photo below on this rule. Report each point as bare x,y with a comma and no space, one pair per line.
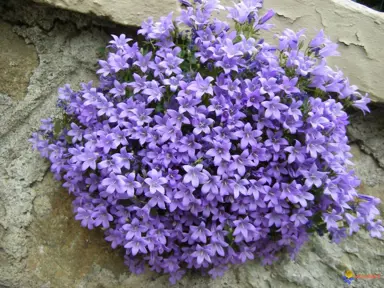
374,4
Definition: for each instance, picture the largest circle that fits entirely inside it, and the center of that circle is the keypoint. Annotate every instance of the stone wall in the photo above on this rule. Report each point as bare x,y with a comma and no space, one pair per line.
41,246
357,29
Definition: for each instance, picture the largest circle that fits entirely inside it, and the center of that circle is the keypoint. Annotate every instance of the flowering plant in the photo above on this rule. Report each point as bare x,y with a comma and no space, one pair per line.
205,147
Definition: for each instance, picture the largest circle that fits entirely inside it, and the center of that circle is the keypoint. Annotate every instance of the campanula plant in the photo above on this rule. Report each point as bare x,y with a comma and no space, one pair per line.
205,146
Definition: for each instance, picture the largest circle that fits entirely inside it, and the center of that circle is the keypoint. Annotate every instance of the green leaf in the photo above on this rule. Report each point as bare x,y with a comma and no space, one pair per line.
159,107
57,127
230,236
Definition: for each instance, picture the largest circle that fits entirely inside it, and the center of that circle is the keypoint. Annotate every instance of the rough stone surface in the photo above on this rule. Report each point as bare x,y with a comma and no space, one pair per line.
42,246
17,62
370,137
357,29
126,12
370,174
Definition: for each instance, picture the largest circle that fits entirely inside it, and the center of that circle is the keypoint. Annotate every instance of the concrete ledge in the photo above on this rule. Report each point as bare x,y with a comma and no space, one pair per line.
125,12
358,30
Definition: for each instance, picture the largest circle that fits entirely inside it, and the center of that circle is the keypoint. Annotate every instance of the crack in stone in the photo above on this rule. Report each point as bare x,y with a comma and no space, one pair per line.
321,18
361,46
290,20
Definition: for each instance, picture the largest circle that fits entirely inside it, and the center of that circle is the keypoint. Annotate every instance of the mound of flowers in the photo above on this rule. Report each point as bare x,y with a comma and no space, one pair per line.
204,146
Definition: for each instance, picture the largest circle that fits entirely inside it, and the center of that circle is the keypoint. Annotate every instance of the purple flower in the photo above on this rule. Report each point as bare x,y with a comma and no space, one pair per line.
116,237
173,82
289,85
294,109
201,124
275,140
354,223
114,183
107,142
188,144
109,166
119,89
201,86
313,176
105,69
228,65
239,186
170,64
93,181
47,125
202,254
88,158
270,87
85,217
302,198
139,83
231,50
274,219
137,245
240,162
154,91
143,61
134,229
196,175
217,271
220,151
290,39
118,62
156,182
270,13
315,146
362,104
204,147
248,136
119,41
146,27
186,3
130,184
76,132
101,217
200,233
331,219
375,229
300,217
273,108
187,104
168,131
243,228
123,159
245,254
296,153
159,200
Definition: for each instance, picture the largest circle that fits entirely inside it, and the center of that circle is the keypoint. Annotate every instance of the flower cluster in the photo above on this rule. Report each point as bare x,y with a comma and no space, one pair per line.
206,146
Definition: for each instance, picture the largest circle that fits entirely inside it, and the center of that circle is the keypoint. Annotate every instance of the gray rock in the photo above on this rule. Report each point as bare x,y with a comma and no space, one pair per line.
41,245
131,12
354,27
368,132
17,60
57,46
